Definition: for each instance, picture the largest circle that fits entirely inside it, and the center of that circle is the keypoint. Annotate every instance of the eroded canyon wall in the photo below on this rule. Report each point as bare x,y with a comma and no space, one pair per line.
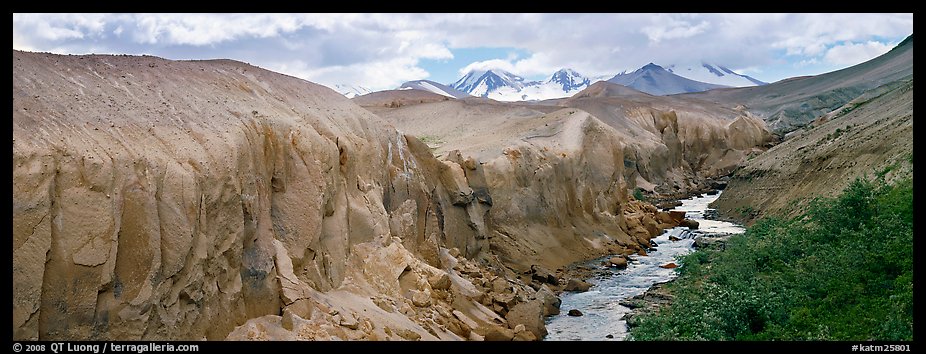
157,199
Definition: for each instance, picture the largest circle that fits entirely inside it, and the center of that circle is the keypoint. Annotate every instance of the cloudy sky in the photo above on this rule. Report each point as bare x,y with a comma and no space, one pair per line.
380,51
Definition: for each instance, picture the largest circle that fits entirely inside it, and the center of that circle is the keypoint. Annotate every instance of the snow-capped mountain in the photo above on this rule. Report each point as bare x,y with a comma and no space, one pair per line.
655,80
713,74
501,85
568,80
482,82
431,86
351,91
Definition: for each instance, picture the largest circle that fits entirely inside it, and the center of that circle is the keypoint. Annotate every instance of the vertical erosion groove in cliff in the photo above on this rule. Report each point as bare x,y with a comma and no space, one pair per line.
154,198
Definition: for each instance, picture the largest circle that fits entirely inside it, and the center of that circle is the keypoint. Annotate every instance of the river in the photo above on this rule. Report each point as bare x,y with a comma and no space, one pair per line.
600,305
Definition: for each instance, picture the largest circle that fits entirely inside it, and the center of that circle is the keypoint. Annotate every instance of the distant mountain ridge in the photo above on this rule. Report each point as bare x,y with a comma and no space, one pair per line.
656,80
713,74
791,103
501,85
482,82
351,91
431,86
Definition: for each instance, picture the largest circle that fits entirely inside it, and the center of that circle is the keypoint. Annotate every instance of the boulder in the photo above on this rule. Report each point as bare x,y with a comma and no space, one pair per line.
677,216
579,285
619,262
440,281
674,238
348,320
669,266
650,225
288,319
522,334
574,313
664,218
530,314
421,298
505,300
550,301
543,275
668,204
691,224
499,334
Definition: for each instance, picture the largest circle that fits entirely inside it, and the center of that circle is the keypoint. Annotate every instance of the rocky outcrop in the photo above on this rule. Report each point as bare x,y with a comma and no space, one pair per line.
673,144
157,199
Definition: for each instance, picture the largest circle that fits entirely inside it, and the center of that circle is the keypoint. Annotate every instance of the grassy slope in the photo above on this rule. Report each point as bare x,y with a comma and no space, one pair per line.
841,271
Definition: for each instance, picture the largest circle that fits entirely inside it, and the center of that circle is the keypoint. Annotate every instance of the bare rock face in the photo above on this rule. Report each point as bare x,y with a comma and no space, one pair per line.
156,199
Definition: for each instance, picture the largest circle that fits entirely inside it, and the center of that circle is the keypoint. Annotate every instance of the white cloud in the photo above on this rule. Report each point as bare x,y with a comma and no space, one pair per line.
379,50
806,62
374,75
503,64
854,53
206,29
670,28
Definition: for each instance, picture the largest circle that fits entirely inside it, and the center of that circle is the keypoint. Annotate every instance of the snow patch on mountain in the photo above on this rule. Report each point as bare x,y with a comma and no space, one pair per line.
501,85
713,74
656,80
351,91
431,86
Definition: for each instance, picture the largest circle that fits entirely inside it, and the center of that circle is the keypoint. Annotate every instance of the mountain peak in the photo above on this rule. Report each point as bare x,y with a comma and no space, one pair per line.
712,73
651,66
481,82
502,85
433,87
656,80
568,80
351,91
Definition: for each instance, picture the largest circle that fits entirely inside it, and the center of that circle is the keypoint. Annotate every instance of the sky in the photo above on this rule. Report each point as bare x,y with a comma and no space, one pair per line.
381,51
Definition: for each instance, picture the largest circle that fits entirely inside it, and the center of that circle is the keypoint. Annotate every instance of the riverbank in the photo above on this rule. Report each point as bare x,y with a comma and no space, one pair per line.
602,313
768,284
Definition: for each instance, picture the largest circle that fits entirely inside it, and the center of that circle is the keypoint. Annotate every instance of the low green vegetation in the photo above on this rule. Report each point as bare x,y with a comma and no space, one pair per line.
638,193
746,211
843,270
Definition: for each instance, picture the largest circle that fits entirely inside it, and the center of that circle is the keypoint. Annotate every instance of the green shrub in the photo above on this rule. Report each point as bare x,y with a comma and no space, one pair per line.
841,271
638,193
